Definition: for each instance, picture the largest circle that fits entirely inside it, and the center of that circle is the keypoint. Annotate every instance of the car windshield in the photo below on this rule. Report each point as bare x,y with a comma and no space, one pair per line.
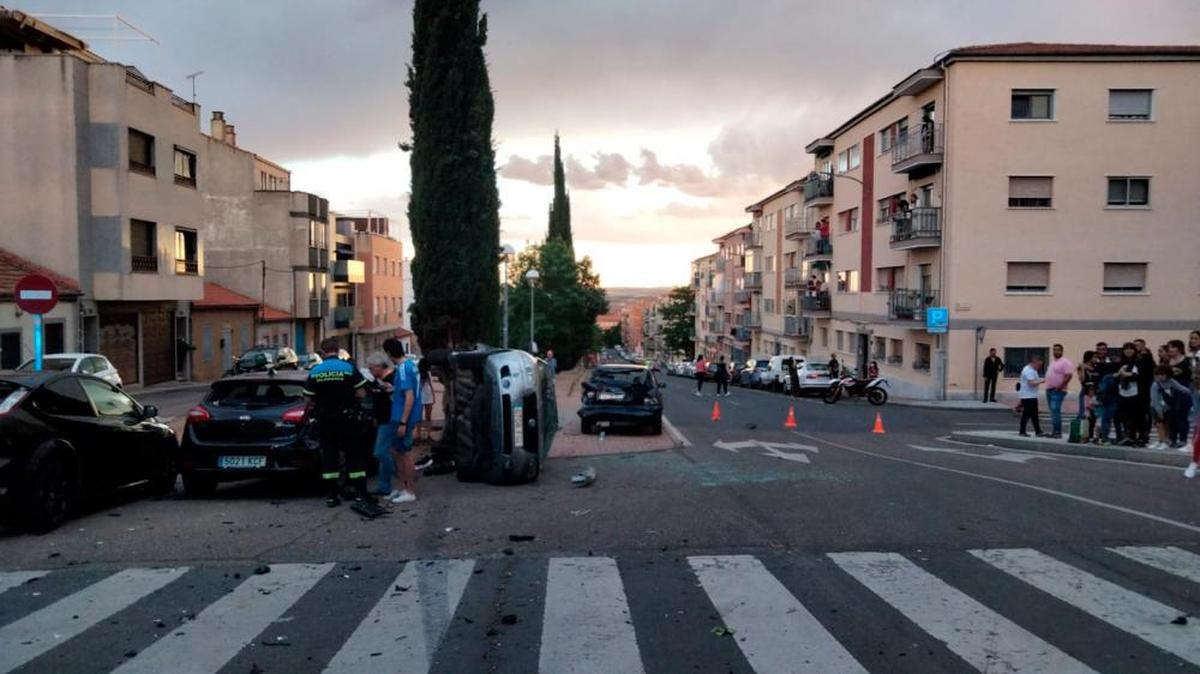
253,356
49,364
621,377
254,394
763,364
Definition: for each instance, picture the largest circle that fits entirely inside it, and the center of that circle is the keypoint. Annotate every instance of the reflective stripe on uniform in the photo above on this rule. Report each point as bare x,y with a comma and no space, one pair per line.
357,474
330,476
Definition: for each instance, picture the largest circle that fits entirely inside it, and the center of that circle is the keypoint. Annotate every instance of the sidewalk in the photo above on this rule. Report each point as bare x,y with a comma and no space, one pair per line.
1011,440
956,405
167,387
570,440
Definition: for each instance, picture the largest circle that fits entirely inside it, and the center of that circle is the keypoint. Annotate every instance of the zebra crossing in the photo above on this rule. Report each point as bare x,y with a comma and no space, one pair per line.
1122,608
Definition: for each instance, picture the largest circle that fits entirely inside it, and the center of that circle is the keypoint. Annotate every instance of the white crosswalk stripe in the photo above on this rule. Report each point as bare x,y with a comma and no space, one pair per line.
220,631
1121,608
775,632
13,579
586,626
1170,559
66,618
982,637
418,606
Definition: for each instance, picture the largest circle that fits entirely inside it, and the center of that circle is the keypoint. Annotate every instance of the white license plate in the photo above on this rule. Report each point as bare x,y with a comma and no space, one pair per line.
241,462
609,396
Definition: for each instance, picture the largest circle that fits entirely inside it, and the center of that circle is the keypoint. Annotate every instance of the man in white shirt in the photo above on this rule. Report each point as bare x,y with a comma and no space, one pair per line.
1031,379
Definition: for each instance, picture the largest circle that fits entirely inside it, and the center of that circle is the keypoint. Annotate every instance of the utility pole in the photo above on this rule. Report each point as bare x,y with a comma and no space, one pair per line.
262,301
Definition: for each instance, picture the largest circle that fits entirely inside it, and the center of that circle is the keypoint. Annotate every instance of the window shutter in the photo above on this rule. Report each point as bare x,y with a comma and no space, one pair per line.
1124,275
1129,103
1028,275
1029,187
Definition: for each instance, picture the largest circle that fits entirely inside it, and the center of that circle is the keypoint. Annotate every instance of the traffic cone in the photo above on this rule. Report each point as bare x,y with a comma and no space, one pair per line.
878,424
716,411
791,417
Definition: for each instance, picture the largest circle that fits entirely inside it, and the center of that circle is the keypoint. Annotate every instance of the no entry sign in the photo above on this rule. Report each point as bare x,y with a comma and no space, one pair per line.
35,294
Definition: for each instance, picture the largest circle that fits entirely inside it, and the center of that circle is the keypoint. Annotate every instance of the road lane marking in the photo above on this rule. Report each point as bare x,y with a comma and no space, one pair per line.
770,449
11,579
66,618
220,631
403,631
773,629
1015,483
982,637
678,437
1138,615
1059,455
1010,457
586,627
1170,559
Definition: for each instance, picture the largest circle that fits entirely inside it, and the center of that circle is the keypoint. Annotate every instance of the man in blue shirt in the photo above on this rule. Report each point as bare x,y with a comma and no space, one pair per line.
406,415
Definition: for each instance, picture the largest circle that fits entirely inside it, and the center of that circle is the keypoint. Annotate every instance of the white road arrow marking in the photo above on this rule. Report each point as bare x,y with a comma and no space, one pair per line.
771,449
1010,457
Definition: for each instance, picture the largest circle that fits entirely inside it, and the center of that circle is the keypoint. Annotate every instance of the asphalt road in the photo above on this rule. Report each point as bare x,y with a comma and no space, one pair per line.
754,548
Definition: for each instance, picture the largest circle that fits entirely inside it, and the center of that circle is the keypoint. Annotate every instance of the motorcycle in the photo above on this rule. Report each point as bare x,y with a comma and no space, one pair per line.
849,387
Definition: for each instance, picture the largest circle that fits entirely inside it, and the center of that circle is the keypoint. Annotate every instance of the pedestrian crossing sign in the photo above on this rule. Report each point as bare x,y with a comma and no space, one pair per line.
937,320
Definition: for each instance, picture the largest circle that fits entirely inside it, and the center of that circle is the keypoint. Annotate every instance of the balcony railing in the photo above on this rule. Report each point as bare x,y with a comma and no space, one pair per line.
755,240
741,296
792,277
910,305
818,248
815,302
187,267
793,326
741,333
818,189
920,227
717,327
753,280
920,148
342,316
144,264
795,227
753,319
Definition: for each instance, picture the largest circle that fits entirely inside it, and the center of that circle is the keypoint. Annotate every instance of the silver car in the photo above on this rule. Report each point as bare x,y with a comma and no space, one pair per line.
82,363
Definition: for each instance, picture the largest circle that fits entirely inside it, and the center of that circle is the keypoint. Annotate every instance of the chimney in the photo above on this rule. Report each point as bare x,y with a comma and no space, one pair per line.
218,126
230,135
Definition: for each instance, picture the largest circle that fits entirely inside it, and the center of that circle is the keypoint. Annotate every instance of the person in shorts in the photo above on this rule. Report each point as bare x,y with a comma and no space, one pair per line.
406,415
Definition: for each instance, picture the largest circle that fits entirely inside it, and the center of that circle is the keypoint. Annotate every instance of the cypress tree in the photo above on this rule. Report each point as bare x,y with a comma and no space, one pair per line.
454,210
560,208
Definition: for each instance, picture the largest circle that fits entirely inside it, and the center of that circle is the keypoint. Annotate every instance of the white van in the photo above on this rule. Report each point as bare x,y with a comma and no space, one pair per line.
776,376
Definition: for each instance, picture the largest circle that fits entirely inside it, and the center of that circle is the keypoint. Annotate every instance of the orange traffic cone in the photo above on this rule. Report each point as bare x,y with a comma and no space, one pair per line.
791,417
878,424
716,411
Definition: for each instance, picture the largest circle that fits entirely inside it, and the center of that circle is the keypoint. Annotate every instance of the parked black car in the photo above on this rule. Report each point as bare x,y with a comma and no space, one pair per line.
263,358
67,437
622,394
252,425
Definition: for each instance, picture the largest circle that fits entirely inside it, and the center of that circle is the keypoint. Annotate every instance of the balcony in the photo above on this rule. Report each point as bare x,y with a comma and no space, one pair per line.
755,240
349,271
741,334
716,327
143,264
796,227
752,319
919,150
818,191
818,250
318,258
342,316
792,277
317,308
753,280
920,227
794,326
816,303
187,267
721,264
741,297
910,305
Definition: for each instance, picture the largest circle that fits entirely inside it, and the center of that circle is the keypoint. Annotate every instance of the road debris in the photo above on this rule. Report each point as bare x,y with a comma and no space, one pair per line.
723,631
262,570
584,478
521,538
1181,620
509,619
579,513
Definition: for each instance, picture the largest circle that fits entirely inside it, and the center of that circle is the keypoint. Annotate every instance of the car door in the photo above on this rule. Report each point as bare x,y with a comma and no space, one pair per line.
67,412
128,442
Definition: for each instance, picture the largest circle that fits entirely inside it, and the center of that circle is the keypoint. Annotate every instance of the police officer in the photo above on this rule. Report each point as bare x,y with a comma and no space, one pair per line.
334,388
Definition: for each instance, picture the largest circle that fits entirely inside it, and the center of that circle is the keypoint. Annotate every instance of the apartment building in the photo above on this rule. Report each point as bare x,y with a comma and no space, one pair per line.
733,321
102,184
707,308
775,272
381,296
1042,193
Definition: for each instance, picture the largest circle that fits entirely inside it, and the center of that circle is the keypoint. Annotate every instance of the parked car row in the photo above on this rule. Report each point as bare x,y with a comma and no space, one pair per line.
769,374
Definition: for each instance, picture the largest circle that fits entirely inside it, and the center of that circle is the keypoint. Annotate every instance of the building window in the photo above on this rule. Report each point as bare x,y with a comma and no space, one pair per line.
316,234
841,340
768,306
1030,191
1033,104
185,167
1028,277
825,337
849,220
187,259
897,352
879,352
843,161
855,156
921,360
769,264
143,247
1124,277
852,280
1129,104
141,152
1017,357
892,134
889,206
889,278
1128,191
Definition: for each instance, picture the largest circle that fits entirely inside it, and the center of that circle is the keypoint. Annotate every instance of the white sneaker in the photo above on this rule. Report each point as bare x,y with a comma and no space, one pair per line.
1159,446
1190,471
404,497
1184,449
697,394
395,493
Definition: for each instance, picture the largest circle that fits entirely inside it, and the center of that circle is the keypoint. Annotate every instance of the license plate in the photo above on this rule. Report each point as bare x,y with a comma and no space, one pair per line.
241,462
610,396
518,416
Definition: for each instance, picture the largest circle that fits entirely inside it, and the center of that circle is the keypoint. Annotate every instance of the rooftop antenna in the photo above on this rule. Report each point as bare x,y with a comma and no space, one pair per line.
94,27
193,77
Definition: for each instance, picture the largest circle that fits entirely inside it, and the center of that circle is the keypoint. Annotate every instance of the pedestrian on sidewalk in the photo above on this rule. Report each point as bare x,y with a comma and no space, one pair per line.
1180,411
1147,363
428,398
381,369
722,377
1058,377
993,365
1130,409
1088,377
1171,402
406,415
701,373
1106,407
1027,390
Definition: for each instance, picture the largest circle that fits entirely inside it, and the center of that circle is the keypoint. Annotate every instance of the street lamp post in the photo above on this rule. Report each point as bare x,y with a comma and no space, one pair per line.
532,276
506,251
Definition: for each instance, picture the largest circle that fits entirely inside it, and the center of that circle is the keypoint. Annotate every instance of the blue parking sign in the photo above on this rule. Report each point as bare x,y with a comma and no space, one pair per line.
937,320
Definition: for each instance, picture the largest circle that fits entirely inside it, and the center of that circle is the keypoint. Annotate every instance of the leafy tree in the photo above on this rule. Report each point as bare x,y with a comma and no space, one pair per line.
560,208
567,299
454,210
678,314
612,336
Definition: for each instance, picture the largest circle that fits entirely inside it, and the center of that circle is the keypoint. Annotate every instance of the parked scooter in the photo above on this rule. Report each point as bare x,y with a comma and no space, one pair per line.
849,387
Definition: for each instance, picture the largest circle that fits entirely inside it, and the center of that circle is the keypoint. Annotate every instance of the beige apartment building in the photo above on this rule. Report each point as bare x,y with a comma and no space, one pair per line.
707,307
775,256
731,324
1040,193
381,296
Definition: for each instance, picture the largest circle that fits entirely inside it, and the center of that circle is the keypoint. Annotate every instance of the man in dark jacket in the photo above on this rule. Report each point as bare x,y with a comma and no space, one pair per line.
993,365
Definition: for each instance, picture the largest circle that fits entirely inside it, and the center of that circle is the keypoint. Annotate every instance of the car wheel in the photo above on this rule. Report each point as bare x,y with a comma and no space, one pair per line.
198,486
877,396
48,495
831,396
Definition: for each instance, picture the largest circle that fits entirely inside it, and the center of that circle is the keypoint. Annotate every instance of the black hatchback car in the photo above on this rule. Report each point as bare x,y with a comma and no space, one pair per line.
622,394
252,425
66,437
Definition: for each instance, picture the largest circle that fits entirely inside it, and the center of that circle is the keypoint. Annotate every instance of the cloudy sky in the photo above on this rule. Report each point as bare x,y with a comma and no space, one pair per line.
674,114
